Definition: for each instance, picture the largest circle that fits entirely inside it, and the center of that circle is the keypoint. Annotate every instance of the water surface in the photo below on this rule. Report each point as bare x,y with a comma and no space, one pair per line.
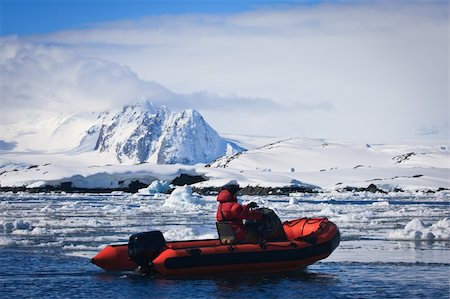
46,241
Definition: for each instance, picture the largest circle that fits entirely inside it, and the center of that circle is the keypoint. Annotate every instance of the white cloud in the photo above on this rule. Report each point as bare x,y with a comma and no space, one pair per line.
346,70
36,77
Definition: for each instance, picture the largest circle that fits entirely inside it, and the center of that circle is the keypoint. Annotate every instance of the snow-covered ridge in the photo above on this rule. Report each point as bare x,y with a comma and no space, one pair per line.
296,162
311,154
333,164
146,133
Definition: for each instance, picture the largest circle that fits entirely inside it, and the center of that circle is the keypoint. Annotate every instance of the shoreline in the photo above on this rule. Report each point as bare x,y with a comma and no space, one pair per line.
248,190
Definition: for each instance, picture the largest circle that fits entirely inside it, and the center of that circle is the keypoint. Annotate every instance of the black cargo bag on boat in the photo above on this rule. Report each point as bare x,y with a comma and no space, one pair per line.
271,228
145,247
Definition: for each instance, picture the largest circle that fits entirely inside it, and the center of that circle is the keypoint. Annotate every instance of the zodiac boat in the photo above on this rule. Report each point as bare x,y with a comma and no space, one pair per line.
306,241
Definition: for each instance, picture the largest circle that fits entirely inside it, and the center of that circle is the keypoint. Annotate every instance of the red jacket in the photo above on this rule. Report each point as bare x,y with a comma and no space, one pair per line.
230,210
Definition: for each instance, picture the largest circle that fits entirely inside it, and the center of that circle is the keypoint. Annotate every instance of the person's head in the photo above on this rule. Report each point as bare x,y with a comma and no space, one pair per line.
232,187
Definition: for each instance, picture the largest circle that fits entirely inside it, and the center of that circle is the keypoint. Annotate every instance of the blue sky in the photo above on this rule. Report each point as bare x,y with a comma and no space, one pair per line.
347,69
24,17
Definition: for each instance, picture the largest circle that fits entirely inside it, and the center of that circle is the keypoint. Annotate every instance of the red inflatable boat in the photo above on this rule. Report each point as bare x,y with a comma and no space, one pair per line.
306,241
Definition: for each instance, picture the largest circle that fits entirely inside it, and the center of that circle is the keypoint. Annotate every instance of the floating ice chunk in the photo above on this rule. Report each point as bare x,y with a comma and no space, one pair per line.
47,208
352,218
417,230
20,224
79,247
381,203
441,229
293,201
39,231
155,187
444,224
182,197
5,242
415,225
72,206
7,226
115,209
50,244
328,211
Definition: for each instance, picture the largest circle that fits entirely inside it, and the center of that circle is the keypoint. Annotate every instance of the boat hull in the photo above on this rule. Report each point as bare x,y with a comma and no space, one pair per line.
318,239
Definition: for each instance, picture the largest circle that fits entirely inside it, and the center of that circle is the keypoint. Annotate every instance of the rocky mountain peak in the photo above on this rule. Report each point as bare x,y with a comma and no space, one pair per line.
146,133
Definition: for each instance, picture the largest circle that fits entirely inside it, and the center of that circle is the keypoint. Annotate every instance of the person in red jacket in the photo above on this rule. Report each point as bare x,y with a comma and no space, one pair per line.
230,210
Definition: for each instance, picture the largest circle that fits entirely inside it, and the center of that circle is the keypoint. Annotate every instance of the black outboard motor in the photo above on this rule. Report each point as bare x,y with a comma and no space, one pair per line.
145,247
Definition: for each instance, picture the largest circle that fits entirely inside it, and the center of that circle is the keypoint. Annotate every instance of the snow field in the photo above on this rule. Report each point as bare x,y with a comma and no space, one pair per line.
306,162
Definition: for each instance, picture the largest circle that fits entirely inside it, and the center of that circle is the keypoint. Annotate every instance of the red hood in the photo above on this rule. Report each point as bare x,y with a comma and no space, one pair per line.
226,196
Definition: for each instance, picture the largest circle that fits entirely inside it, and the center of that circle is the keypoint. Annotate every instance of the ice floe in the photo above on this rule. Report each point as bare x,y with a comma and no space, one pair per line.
77,224
183,197
416,229
155,187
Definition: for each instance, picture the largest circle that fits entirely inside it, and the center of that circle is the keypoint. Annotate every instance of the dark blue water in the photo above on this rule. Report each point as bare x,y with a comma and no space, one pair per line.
32,274
40,256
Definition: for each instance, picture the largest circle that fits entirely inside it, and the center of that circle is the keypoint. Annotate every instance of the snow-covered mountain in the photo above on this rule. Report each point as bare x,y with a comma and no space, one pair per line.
321,155
146,133
295,162
333,164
